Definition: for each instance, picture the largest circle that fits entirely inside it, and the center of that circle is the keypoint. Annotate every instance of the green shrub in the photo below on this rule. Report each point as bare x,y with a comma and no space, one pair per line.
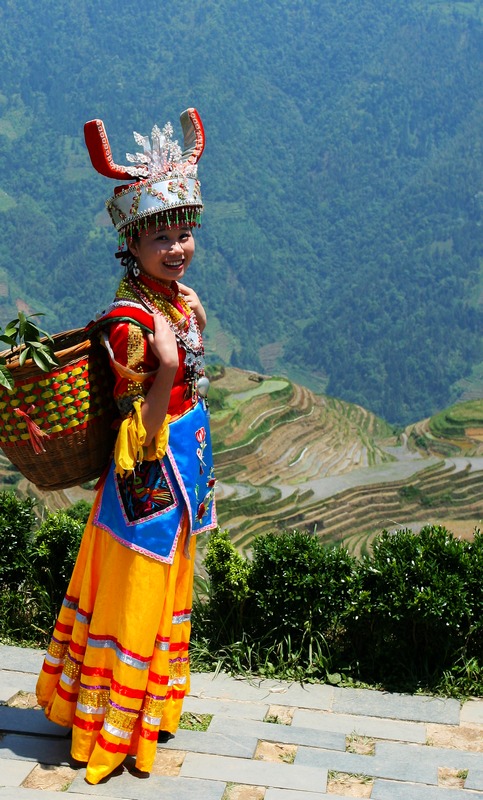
35,566
298,587
220,617
80,511
409,616
276,614
17,520
54,551
417,608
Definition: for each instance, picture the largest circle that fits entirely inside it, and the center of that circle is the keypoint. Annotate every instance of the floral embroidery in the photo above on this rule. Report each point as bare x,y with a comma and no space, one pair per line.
201,438
203,505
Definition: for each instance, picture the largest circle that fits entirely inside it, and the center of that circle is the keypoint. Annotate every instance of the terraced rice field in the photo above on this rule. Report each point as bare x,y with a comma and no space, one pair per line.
302,460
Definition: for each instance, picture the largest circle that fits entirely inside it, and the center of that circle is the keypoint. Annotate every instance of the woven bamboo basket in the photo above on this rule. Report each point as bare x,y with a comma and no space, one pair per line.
57,427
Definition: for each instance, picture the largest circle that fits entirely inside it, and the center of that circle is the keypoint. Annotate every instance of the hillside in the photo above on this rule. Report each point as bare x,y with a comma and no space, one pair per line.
288,458
342,241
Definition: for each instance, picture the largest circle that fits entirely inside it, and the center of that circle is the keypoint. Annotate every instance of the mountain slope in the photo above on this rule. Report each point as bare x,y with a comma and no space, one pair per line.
342,178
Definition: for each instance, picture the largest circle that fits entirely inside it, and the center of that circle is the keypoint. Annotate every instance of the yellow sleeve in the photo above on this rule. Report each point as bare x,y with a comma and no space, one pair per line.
130,448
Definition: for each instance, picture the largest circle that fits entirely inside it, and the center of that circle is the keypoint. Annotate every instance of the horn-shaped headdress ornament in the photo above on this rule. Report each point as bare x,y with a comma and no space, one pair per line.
163,178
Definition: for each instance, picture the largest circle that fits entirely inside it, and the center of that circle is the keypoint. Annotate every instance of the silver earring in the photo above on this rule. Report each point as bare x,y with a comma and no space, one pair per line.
136,270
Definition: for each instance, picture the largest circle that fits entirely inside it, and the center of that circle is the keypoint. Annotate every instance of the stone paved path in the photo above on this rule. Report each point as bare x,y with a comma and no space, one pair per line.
266,740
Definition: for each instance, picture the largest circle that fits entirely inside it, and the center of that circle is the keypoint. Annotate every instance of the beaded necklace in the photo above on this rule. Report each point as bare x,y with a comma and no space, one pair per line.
180,318
171,304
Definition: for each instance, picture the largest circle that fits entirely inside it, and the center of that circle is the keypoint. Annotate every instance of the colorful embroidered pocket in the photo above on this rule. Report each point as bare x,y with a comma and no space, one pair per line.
145,491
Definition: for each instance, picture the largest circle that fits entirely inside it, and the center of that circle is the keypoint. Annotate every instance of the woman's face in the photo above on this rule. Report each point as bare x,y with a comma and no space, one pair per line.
164,253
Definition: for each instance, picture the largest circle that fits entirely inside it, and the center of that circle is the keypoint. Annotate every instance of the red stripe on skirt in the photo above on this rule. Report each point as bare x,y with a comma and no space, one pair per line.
98,672
111,747
86,725
78,649
52,670
150,735
59,626
71,697
126,691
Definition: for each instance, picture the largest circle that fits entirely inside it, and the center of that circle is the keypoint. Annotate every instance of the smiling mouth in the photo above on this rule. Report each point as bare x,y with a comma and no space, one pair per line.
174,264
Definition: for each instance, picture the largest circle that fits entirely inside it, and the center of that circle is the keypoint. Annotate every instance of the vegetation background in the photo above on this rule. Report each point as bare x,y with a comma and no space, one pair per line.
342,178
407,617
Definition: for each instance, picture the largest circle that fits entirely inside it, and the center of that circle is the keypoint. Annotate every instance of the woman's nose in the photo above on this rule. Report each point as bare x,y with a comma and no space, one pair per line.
176,246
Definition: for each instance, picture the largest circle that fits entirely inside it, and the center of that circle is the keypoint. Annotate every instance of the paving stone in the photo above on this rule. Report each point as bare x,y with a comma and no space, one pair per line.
13,682
286,734
29,720
396,706
472,712
402,770
254,773
403,766
314,696
392,790
364,726
438,756
230,741
287,794
13,772
41,794
229,708
21,659
35,748
401,762
225,687
152,788
474,779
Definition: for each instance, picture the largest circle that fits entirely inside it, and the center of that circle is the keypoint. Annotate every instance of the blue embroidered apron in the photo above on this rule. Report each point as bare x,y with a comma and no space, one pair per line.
144,509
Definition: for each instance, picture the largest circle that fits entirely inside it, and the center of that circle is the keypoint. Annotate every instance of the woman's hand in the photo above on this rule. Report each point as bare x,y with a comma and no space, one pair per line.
194,303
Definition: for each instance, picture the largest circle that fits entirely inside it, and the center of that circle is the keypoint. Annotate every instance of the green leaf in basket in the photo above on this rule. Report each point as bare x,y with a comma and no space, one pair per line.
22,322
23,337
24,355
12,329
41,360
32,333
48,354
10,340
6,378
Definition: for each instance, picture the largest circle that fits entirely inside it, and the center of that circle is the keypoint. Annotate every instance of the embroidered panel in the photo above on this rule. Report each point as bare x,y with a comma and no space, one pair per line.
95,698
153,707
120,719
71,668
57,650
145,491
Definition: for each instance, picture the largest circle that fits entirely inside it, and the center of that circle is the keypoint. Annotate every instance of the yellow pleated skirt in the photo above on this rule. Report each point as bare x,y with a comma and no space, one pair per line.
117,667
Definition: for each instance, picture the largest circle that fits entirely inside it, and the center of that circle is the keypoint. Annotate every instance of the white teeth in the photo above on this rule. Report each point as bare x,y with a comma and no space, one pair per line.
173,263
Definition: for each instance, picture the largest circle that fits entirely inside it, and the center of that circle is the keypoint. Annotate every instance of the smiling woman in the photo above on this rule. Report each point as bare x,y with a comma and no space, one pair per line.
117,668
164,253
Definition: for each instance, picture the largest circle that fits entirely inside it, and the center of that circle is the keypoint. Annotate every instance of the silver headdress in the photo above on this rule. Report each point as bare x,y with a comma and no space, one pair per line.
165,184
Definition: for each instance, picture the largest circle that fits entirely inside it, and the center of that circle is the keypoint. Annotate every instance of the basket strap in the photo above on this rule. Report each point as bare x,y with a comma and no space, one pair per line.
134,314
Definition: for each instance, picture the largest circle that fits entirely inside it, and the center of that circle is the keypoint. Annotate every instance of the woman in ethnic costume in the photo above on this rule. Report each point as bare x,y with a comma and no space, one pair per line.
117,667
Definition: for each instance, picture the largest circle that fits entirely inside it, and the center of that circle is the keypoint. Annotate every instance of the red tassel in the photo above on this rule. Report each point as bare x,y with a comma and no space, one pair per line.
36,435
